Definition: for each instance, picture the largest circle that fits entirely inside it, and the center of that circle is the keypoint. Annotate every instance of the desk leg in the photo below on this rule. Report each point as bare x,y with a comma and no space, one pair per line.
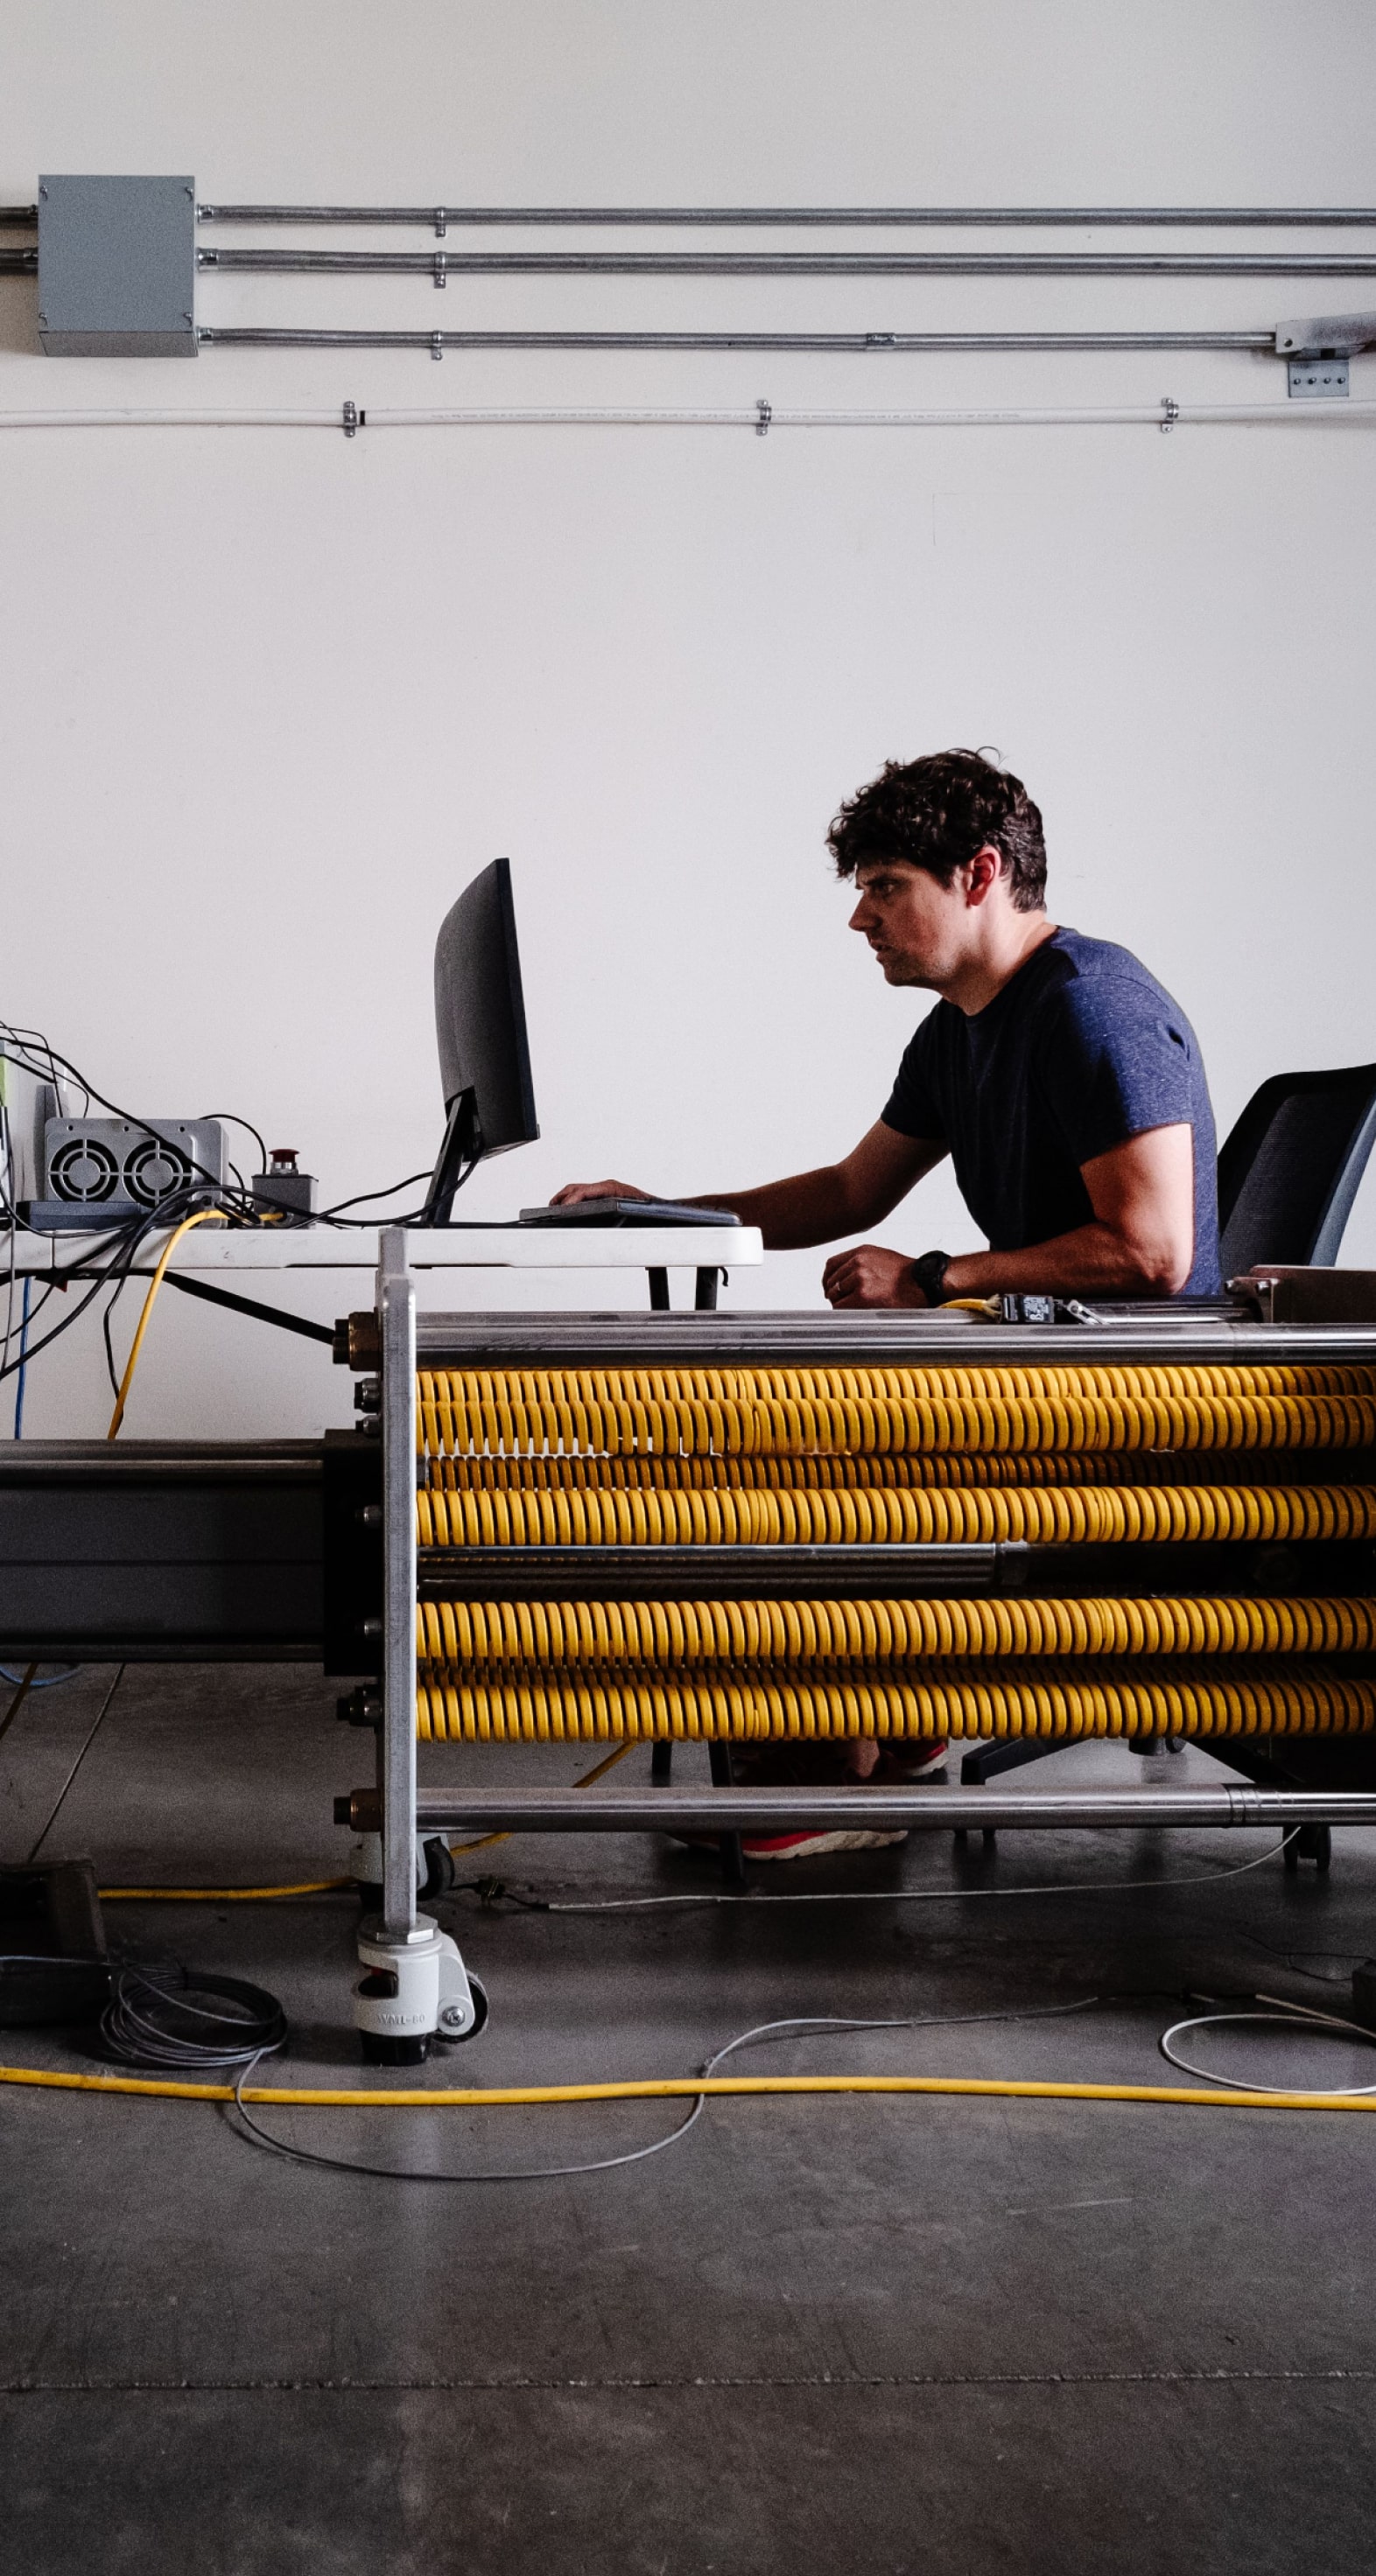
705,1299
729,1845
659,1292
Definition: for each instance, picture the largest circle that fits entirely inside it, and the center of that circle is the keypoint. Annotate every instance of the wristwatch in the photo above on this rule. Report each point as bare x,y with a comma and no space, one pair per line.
929,1270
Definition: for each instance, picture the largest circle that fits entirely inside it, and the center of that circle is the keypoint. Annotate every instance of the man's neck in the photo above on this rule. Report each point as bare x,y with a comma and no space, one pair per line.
981,979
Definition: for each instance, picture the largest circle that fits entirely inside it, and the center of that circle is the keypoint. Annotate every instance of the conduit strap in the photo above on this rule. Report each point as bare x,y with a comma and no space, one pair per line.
797,1411
659,1635
1202,1705
1036,1515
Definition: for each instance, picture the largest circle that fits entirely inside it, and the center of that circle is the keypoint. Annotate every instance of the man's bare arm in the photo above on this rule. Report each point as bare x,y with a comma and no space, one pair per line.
811,1207
1139,1243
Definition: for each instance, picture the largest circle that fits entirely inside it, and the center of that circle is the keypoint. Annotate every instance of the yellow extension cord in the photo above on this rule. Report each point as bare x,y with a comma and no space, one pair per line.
679,2087
201,1217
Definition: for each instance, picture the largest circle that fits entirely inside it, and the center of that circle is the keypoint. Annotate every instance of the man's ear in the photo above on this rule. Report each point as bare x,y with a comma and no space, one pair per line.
982,872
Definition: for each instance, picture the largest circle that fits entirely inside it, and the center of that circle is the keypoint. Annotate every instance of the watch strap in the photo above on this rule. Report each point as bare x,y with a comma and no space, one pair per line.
930,1271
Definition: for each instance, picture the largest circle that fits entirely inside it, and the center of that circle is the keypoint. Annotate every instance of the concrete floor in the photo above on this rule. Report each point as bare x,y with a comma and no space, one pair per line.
895,2334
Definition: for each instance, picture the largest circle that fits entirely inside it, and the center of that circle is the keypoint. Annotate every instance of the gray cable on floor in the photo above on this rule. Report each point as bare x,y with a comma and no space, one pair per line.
1301,2017
637,2155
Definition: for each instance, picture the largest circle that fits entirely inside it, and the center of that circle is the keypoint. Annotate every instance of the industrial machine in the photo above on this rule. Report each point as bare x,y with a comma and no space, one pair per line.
1006,1530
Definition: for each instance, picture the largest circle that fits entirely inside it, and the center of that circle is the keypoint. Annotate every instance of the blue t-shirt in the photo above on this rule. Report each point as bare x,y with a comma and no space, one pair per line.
1082,1049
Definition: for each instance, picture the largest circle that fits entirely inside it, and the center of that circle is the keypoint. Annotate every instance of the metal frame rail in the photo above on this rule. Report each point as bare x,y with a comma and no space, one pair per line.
401,1811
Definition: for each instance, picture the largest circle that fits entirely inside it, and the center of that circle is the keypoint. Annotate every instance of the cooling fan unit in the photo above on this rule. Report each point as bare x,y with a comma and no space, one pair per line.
100,1172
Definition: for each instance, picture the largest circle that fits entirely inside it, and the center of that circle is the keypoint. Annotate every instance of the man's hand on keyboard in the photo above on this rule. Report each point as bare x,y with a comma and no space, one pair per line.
574,1192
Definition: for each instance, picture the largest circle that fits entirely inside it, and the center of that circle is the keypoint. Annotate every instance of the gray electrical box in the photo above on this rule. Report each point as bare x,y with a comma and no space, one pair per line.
117,267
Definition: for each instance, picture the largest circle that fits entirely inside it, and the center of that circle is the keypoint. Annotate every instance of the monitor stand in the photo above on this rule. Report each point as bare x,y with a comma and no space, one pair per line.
461,1149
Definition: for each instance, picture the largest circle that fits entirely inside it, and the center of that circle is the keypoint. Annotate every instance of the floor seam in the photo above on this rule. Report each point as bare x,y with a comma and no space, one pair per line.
612,2383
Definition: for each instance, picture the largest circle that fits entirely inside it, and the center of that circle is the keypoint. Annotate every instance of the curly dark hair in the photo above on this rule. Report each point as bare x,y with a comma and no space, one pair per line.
936,813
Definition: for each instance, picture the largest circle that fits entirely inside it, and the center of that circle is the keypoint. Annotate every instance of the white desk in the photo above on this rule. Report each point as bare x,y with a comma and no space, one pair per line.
216,1249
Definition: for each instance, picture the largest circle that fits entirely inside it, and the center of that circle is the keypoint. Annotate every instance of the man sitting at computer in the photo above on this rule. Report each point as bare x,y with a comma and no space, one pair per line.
1065,1084
1063,1081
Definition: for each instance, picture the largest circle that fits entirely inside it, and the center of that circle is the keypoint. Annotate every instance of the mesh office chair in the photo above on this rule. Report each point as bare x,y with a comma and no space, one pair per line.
1289,1171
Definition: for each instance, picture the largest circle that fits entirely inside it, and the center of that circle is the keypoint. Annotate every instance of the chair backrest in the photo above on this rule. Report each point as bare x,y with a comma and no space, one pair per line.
1288,1173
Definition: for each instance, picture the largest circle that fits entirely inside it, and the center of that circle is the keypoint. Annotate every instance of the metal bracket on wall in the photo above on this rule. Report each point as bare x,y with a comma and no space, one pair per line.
1317,379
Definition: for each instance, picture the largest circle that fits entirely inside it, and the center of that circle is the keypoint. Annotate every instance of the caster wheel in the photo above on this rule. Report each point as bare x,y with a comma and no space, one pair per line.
458,2038
440,1872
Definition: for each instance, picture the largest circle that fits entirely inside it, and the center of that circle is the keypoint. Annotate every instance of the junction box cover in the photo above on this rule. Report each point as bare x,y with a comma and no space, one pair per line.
117,267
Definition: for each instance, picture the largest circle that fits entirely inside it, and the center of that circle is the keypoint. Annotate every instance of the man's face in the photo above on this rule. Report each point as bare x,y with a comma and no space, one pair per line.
920,931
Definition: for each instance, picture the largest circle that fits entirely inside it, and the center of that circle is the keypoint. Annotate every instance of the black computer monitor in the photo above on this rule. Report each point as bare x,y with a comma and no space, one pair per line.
480,1021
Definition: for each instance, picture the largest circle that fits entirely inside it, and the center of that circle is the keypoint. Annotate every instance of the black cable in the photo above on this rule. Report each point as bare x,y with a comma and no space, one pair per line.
55,1058
365,1197
131,1234
248,1306
231,1118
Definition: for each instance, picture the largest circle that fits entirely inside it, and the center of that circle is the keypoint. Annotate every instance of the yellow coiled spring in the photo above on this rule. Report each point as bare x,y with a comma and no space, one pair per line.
1006,1702
1040,1515
748,1412
948,1467
664,1635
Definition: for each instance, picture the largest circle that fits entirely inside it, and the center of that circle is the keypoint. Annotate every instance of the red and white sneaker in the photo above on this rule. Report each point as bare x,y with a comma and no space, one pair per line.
812,1766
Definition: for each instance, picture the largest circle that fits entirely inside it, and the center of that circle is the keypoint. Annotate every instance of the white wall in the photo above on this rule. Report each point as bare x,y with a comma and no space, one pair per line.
270,698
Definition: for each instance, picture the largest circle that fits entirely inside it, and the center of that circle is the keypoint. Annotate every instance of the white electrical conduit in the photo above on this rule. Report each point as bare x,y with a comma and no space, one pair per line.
760,417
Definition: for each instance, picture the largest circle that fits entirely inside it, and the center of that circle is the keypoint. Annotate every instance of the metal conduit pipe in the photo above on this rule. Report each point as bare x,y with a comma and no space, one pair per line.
441,215
825,343
863,263
18,263
773,1811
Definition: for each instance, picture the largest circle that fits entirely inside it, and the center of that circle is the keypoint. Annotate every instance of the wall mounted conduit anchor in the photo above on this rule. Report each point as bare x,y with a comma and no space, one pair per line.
351,420
764,413
1321,379
414,1988
440,268
437,344
1170,411
441,222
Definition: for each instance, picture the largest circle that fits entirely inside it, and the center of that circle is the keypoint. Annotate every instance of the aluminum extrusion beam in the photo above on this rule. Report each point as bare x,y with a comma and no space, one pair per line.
774,1811
439,216
871,1338
396,1297
862,263
718,1573
162,1551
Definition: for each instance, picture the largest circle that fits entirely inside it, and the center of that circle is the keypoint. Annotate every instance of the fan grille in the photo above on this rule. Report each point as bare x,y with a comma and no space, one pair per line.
84,1170
155,1171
